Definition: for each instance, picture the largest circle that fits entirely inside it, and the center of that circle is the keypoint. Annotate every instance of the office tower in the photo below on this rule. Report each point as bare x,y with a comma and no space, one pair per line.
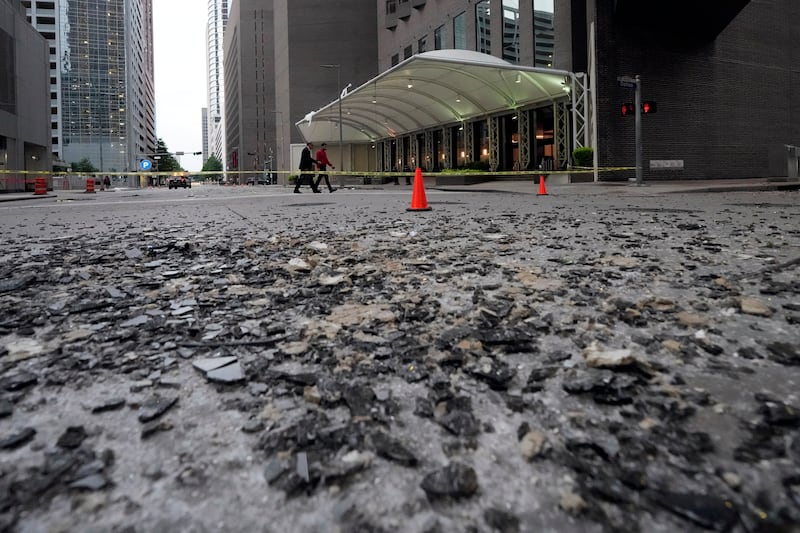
101,83
215,28
283,59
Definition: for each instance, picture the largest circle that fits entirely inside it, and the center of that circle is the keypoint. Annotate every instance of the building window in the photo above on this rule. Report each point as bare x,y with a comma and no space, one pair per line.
407,52
439,38
391,7
511,30
483,26
395,59
422,45
543,33
8,68
460,31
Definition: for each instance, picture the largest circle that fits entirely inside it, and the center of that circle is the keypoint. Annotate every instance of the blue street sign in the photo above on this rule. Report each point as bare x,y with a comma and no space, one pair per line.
145,164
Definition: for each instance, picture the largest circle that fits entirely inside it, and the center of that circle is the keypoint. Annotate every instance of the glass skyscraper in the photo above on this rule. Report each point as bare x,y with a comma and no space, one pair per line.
102,87
217,20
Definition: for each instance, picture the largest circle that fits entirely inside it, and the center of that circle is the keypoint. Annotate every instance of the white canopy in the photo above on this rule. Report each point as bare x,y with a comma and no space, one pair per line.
430,90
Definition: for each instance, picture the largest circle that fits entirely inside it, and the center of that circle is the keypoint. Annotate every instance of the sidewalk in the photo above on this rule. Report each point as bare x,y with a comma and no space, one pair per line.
624,188
621,188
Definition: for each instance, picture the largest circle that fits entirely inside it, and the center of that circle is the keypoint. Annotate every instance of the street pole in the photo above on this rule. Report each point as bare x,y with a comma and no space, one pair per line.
341,152
638,105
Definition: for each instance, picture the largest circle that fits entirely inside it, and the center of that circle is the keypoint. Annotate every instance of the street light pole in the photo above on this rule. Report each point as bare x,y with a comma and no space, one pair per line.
279,159
339,86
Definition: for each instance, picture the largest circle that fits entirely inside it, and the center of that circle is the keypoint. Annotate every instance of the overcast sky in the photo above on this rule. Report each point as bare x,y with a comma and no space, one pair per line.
180,75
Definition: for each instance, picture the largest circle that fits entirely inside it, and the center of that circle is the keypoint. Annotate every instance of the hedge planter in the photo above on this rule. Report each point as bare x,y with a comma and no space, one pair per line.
462,179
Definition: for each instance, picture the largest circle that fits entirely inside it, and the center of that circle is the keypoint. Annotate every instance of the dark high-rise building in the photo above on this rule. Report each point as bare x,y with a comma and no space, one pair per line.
24,99
724,75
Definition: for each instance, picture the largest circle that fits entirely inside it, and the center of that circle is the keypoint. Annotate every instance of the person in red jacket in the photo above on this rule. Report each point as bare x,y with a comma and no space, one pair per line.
322,164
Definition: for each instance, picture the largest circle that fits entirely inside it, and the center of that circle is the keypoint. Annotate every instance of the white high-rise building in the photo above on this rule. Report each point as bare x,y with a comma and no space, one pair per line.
102,94
217,20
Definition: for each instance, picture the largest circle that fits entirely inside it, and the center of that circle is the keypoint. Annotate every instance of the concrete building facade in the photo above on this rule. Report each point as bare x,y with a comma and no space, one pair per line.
274,74
102,94
723,74
204,129
24,99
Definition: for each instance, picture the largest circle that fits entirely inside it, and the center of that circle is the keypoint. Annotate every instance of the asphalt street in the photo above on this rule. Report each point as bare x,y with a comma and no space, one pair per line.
246,359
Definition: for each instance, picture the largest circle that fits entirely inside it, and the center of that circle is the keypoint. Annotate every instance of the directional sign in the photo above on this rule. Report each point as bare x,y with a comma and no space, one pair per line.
145,164
626,81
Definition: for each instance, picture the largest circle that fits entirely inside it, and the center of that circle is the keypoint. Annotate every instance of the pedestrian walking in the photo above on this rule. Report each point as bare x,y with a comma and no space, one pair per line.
322,163
106,182
306,163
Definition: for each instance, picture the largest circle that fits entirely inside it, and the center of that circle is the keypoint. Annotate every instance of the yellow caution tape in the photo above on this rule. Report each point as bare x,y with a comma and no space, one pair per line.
578,170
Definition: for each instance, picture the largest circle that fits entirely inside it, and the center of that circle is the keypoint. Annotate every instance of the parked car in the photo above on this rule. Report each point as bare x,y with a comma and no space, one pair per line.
261,180
179,181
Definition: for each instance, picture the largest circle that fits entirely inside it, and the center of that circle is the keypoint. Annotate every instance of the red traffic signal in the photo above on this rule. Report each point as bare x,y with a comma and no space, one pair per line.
649,107
627,109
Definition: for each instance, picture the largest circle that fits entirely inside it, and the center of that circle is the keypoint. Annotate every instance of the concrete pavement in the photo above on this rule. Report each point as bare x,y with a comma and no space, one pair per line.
621,188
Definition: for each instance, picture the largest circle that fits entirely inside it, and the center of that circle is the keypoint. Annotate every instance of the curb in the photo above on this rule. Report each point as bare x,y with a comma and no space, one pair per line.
30,197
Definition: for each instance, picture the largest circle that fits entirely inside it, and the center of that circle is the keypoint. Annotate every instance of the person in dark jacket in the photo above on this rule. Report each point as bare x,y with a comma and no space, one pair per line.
306,163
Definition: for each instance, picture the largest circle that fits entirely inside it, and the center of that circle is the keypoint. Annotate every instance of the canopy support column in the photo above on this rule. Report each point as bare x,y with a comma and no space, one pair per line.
562,143
580,110
494,142
430,157
387,155
414,149
524,133
469,142
447,147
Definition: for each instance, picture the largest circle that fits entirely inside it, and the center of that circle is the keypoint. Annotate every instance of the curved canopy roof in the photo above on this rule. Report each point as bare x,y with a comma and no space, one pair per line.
430,90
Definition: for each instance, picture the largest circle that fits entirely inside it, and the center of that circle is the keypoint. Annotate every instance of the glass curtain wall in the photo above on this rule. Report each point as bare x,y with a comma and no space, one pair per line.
93,82
440,38
460,31
543,33
483,27
511,31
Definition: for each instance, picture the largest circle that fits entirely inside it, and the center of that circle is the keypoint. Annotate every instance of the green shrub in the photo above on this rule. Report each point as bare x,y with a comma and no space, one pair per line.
462,170
583,157
477,165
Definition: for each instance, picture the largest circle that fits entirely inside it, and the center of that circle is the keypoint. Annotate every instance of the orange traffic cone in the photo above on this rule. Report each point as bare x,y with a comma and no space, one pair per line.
542,188
418,200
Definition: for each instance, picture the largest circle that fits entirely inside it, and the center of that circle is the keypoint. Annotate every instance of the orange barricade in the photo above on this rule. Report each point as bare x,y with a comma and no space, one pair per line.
90,185
40,186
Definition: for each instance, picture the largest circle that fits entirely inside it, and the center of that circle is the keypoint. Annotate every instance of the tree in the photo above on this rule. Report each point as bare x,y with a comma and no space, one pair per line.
84,166
166,162
212,164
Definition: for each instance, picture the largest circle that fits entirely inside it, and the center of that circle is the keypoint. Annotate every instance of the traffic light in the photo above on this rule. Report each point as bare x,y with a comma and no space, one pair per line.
649,107
627,109
197,153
